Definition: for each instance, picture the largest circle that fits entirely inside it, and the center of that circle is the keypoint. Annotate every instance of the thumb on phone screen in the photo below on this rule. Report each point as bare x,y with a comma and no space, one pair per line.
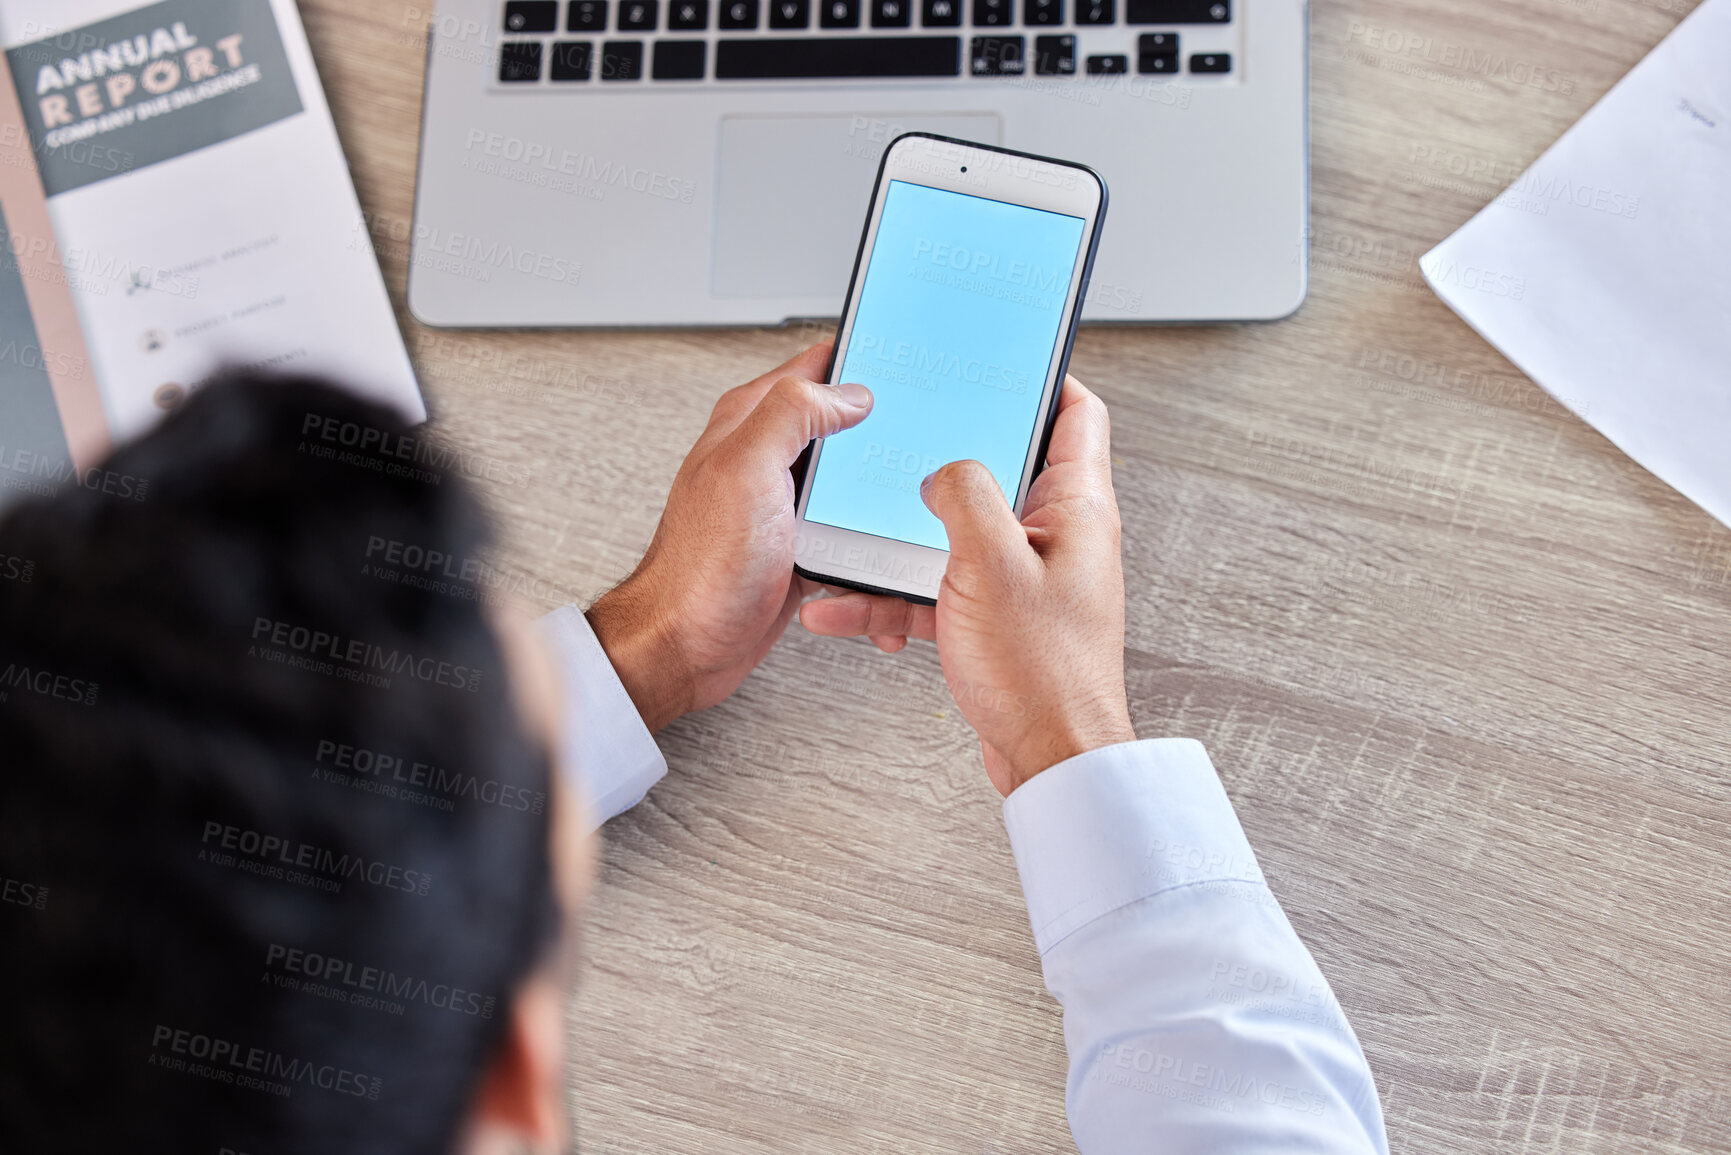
1030,616
982,529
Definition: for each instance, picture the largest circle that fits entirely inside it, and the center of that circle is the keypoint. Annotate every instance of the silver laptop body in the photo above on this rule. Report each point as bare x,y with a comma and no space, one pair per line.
709,162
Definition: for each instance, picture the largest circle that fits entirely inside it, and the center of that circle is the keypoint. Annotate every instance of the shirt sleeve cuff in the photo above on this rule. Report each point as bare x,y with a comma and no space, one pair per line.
1119,824
606,749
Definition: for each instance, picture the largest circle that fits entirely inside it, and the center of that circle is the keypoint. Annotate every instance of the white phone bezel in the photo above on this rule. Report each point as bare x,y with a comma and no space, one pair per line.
867,561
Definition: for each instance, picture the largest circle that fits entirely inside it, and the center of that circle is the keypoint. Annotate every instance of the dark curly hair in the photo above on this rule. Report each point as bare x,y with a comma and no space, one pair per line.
273,838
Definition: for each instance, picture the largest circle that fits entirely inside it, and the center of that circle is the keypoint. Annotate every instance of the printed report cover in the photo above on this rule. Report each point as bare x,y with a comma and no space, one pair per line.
200,200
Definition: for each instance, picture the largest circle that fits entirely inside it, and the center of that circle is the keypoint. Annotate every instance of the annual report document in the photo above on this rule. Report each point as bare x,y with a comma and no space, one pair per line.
201,209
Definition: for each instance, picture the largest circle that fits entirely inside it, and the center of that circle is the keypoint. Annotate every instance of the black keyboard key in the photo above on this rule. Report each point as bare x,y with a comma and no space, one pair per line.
638,15
993,13
1054,55
1108,65
1043,12
622,60
997,56
838,13
942,13
1095,11
1177,11
586,16
687,15
738,14
678,60
570,60
892,13
519,62
1157,53
532,15
789,13
762,59
1211,62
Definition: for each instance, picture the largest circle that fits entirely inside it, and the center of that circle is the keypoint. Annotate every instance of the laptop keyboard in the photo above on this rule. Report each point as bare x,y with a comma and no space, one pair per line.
569,42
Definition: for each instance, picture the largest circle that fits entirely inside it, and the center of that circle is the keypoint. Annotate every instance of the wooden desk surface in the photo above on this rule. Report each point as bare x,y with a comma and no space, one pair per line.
1461,664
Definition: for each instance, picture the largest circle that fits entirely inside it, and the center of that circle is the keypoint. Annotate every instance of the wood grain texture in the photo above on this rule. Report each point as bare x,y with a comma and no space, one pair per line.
1461,664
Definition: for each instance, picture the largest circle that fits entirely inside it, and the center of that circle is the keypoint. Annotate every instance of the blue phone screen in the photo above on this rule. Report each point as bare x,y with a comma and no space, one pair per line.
955,332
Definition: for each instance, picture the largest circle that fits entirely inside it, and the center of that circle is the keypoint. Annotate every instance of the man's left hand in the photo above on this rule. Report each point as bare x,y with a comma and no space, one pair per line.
716,587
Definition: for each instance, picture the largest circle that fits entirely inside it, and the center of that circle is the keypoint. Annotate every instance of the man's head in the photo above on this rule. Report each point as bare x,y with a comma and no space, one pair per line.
277,787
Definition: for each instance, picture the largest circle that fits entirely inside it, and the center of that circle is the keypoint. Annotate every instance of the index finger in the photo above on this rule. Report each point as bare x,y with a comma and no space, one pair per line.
1083,432
1078,460
852,614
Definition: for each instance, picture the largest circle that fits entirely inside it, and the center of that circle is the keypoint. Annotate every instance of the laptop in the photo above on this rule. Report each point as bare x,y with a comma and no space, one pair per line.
710,162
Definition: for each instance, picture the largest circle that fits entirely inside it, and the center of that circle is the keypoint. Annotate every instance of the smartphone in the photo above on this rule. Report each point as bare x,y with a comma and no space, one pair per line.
960,318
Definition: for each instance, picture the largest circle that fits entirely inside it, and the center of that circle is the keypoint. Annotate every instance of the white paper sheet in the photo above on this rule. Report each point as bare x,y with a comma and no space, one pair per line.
1604,272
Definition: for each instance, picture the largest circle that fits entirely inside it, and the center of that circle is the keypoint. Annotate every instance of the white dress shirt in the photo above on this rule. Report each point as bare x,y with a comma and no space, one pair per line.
1195,1019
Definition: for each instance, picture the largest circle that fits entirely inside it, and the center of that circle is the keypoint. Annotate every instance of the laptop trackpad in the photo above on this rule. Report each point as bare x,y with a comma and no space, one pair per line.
792,193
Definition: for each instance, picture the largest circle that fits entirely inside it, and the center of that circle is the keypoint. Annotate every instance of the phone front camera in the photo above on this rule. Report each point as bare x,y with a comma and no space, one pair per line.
964,168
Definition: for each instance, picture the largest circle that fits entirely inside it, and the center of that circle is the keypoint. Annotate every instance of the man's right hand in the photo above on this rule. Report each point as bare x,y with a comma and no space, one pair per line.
1030,616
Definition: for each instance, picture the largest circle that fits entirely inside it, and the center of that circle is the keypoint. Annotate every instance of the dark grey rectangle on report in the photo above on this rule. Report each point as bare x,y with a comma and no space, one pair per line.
149,85
831,56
